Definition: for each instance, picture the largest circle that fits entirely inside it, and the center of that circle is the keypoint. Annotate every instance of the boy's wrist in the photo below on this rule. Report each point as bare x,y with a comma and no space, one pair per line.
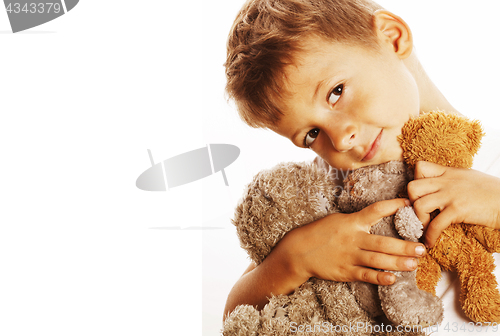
296,271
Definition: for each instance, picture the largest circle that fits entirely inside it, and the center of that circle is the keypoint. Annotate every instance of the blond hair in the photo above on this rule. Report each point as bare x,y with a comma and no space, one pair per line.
268,33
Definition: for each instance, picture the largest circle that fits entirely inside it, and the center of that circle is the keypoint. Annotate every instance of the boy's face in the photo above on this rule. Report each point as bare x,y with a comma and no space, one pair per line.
348,103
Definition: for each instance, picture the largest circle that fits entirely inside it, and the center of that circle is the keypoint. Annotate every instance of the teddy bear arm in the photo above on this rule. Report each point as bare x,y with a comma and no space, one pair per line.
488,237
428,274
479,294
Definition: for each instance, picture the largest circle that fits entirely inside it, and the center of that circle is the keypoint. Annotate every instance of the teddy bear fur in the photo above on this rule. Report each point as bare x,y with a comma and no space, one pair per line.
274,203
403,303
452,141
294,194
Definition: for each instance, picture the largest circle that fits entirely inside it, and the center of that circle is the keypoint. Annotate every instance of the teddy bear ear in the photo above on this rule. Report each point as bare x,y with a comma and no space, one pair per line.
475,134
441,138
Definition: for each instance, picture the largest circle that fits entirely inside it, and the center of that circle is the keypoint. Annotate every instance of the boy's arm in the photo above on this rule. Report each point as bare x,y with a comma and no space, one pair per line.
461,195
258,282
337,247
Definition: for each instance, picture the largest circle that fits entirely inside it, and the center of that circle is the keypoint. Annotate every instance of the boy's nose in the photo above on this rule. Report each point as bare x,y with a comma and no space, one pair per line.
343,140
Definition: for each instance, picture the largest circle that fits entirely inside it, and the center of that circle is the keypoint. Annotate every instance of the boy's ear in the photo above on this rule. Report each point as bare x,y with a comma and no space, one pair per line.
393,30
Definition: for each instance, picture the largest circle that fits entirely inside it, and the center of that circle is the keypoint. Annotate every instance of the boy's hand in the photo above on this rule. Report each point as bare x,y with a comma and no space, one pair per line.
461,195
339,247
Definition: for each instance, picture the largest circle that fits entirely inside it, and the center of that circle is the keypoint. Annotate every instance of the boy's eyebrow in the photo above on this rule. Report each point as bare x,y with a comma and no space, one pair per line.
320,84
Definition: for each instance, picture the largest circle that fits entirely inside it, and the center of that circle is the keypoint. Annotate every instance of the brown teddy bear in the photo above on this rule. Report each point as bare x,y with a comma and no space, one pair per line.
275,202
294,194
452,141
403,303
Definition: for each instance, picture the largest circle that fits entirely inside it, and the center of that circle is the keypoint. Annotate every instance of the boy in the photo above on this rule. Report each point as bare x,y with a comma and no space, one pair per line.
341,77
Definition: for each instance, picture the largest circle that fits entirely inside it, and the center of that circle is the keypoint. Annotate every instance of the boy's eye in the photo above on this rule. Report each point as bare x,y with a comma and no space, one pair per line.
310,137
335,94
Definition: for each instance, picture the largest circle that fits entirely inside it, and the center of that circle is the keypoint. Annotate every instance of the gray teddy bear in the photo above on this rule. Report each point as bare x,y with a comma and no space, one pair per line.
294,194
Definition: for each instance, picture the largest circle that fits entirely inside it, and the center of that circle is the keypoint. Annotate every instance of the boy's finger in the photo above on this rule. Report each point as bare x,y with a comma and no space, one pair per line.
438,224
424,206
392,246
386,262
422,187
373,213
424,169
374,277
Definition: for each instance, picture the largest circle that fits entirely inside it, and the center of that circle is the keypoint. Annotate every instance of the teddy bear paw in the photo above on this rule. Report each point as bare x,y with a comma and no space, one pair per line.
404,304
407,223
482,308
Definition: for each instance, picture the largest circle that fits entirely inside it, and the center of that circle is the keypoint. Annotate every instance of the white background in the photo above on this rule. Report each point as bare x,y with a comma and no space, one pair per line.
82,98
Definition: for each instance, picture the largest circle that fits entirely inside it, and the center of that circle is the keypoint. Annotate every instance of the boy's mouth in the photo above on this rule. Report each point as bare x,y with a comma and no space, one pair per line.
373,148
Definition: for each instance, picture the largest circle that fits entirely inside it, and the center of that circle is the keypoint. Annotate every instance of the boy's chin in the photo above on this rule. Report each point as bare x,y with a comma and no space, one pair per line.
383,157
396,156
392,155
